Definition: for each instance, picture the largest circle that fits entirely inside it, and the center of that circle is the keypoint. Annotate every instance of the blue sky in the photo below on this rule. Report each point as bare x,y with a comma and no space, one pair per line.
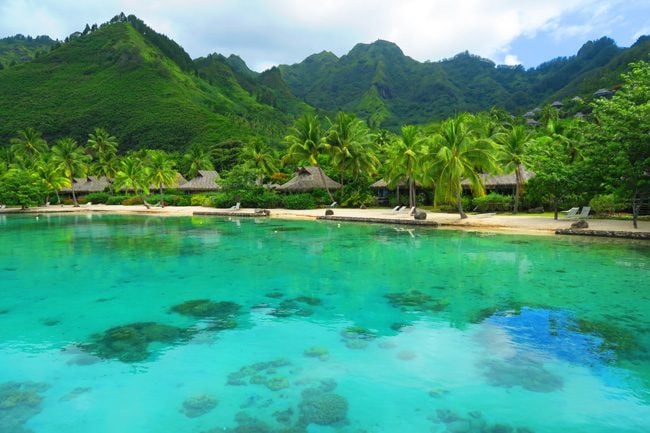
271,32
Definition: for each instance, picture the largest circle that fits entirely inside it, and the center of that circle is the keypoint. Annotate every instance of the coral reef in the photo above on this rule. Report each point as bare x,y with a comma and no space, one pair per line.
321,353
199,405
130,343
322,408
414,300
521,371
19,401
357,337
261,373
219,315
474,422
204,308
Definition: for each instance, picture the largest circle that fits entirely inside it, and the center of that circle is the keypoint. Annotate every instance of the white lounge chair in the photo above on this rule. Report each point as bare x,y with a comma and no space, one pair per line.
236,207
334,204
2,206
571,212
584,213
397,208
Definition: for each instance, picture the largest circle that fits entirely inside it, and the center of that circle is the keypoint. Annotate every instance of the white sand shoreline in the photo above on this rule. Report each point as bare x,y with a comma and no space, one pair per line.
514,224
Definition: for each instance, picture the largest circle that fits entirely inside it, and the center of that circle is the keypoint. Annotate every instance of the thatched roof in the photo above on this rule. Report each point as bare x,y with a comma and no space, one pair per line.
381,183
86,185
307,179
557,104
532,122
205,180
504,180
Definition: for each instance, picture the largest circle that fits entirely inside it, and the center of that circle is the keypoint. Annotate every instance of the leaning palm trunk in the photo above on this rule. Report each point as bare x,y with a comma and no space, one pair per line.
322,179
518,187
460,207
162,199
411,192
74,196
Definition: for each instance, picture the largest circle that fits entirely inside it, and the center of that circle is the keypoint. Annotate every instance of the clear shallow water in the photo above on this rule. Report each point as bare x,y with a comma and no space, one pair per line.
350,328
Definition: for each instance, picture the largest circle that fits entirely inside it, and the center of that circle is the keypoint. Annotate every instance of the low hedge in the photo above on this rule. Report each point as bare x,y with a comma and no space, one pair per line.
299,201
492,202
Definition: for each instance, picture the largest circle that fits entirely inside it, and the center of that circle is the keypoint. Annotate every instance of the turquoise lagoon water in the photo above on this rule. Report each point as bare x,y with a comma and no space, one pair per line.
317,327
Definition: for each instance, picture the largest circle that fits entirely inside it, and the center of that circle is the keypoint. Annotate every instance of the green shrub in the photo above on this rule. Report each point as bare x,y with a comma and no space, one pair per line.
221,200
169,199
259,198
299,201
492,202
607,204
358,199
98,197
198,199
116,199
183,200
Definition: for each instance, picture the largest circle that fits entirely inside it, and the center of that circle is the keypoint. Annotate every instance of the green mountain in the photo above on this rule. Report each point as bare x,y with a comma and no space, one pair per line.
20,49
232,75
380,83
139,85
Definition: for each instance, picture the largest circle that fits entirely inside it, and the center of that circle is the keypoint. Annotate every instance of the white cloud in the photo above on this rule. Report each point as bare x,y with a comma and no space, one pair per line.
511,60
266,32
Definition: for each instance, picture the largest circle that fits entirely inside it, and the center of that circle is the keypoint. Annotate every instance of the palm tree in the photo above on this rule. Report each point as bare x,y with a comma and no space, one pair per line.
405,160
349,141
28,144
102,143
71,160
132,175
51,175
161,170
458,155
306,143
197,158
259,158
514,141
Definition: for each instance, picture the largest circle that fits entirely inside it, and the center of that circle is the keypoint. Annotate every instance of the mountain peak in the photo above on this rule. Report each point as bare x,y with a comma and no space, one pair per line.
378,48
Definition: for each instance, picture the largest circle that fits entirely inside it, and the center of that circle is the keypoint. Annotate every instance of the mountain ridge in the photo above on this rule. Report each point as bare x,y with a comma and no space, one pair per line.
136,82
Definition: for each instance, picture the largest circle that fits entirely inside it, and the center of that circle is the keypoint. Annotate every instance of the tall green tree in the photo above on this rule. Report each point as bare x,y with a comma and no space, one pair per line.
21,187
28,144
514,142
350,145
259,158
50,173
405,161
132,175
102,144
624,129
72,160
160,168
307,143
459,154
195,158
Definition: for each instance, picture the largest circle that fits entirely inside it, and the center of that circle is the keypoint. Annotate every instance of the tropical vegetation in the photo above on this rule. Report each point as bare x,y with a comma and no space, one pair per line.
168,115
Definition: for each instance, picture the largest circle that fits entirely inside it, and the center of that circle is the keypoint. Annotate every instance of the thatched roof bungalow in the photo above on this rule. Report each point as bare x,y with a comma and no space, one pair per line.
307,179
87,185
205,180
501,183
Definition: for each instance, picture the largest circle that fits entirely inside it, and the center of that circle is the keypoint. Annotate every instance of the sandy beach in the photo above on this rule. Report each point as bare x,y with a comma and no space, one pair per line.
522,224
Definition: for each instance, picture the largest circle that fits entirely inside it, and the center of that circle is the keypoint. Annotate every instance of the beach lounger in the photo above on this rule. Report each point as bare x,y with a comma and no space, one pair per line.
236,207
397,208
334,204
571,212
2,206
584,213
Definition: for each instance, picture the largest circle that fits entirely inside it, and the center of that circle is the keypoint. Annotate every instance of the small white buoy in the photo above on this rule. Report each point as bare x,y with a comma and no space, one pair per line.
338,225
